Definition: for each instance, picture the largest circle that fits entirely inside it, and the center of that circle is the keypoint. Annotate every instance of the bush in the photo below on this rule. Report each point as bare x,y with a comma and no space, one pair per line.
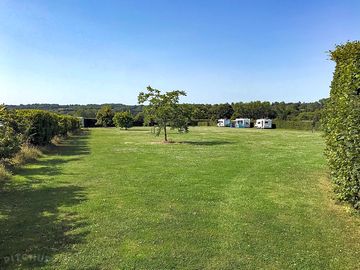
10,139
300,125
67,124
39,126
9,142
341,123
123,120
105,116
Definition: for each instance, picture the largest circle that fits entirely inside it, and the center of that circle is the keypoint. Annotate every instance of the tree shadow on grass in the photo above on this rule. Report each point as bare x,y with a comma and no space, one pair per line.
36,222
77,145
206,143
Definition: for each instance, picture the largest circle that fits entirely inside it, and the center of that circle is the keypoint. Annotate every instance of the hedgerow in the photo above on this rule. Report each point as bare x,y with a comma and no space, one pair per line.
39,127
300,125
10,138
67,124
35,127
341,123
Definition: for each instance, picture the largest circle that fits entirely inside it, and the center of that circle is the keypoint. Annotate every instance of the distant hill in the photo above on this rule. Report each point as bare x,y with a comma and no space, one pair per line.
88,110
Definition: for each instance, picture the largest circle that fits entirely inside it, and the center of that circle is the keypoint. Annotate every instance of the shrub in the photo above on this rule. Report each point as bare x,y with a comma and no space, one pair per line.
9,142
341,123
67,124
10,139
123,119
39,126
300,125
105,116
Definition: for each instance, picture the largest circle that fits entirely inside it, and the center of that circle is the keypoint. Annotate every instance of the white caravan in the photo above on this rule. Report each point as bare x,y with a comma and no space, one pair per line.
242,123
263,123
224,123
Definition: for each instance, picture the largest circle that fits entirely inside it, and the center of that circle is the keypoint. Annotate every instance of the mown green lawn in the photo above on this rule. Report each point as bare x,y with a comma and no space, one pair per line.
219,198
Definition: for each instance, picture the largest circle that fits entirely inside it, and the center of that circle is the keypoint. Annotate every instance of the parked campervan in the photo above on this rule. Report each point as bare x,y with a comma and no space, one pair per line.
263,123
242,123
224,123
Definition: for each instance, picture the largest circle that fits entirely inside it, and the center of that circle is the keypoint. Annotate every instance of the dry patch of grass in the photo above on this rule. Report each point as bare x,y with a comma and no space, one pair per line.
4,173
26,154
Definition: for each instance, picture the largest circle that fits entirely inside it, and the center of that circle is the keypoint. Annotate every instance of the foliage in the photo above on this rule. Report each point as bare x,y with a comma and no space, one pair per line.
181,118
300,125
39,126
105,116
341,123
67,124
253,110
123,119
277,110
87,111
221,111
10,139
164,109
139,119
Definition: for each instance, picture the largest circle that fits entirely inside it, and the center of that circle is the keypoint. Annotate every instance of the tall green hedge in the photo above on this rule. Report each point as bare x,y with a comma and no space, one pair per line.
300,125
341,123
67,123
10,138
40,127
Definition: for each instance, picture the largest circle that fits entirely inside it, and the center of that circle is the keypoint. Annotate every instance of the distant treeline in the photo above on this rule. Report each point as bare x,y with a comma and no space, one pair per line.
87,111
294,111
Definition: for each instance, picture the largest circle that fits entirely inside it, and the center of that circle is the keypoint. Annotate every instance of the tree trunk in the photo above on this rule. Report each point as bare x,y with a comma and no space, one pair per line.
165,134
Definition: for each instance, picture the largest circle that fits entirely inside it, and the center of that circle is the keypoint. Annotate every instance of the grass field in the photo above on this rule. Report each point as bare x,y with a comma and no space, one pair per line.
217,199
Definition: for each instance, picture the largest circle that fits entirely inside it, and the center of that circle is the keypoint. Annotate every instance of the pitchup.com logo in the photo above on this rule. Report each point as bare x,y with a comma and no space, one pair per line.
22,258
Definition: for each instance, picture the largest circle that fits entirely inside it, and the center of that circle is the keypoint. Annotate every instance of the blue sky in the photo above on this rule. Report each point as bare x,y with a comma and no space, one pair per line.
83,52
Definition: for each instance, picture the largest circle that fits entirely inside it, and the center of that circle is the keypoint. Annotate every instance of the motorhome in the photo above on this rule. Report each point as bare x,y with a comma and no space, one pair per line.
263,123
224,123
241,123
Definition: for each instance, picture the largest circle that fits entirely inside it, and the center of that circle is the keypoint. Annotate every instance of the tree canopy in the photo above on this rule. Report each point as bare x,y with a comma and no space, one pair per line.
164,109
105,116
123,119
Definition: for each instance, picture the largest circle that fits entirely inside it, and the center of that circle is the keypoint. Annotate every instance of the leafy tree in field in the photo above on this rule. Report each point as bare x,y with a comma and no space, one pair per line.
105,116
164,108
181,118
341,123
123,119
